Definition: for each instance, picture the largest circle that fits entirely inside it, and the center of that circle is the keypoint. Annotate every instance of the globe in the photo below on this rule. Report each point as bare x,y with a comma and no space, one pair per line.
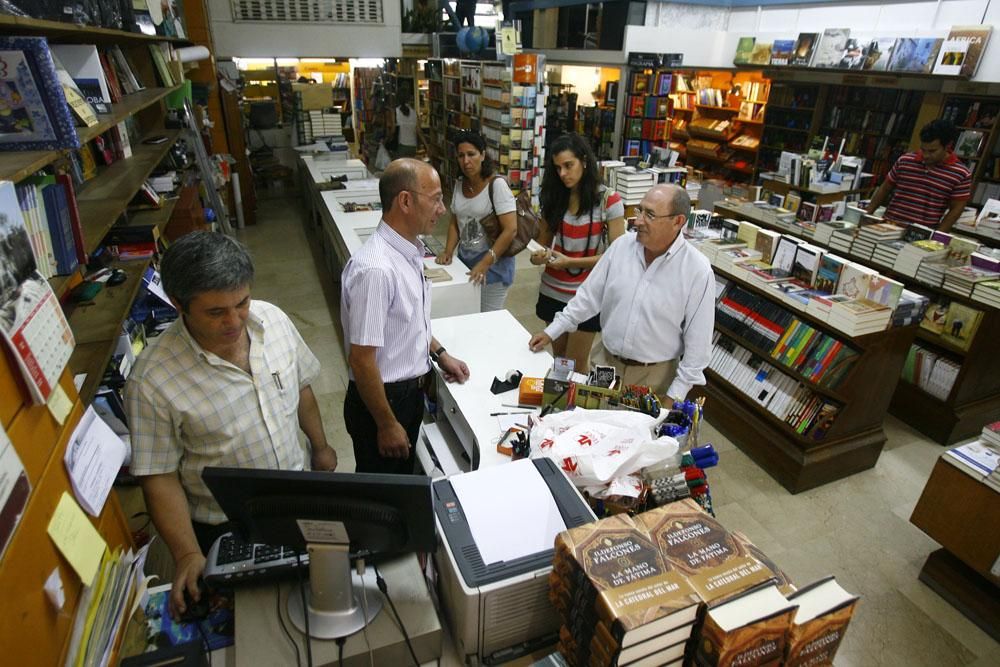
472,39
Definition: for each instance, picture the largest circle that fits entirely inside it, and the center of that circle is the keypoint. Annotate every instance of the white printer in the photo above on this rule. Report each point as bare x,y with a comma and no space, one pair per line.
499,609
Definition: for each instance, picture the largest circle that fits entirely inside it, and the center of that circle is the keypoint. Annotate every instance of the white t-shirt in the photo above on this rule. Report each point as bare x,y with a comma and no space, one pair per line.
469,211
407,127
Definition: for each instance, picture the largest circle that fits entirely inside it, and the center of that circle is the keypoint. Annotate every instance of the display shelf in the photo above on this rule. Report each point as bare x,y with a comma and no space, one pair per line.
71,32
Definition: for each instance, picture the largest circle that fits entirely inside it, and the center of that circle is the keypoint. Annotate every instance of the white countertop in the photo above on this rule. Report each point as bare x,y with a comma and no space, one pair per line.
320,169
491,344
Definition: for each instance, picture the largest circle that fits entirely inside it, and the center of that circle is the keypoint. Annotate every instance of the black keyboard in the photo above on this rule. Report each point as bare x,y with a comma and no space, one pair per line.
233,561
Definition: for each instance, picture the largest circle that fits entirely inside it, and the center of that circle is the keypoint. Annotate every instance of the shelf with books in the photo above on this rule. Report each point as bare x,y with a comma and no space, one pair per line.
834,432
975,398
975,117
23,25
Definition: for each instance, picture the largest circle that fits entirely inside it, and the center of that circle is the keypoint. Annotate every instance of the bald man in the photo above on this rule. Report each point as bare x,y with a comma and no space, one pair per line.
385,306
656,297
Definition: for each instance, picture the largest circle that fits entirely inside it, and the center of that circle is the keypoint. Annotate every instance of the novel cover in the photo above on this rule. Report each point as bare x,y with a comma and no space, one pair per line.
879,54
805,45
915,55
831,47
744,49
977,36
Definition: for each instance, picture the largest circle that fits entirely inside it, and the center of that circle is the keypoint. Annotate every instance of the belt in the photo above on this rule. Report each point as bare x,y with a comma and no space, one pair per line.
406,385
631,362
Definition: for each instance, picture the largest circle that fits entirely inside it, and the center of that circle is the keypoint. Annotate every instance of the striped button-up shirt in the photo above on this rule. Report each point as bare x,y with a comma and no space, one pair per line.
189,408
385,302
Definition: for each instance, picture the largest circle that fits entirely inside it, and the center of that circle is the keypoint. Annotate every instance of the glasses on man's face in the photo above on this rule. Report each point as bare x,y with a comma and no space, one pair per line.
650,215
438,200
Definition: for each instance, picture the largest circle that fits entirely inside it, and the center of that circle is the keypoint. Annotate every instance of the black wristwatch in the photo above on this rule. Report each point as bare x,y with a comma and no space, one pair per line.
436,354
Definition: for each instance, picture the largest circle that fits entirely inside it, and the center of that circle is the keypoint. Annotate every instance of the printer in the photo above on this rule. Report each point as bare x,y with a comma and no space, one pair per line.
498,610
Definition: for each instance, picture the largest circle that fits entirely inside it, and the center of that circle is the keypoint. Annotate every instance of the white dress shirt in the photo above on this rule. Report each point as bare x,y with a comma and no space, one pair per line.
385,302
189,408
649,314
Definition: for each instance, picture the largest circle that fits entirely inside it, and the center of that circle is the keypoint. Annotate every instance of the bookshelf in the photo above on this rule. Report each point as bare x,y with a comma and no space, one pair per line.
977,116
36,633
974,398
789,121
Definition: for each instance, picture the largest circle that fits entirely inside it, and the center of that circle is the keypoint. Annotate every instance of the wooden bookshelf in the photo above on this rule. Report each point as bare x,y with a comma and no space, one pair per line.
975,397
58,31
854,440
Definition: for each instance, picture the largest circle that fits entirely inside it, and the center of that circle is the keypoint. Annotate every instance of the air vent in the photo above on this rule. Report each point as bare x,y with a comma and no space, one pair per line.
364,12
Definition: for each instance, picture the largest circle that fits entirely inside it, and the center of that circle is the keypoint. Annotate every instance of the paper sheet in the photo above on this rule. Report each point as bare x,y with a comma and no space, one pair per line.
59,404
76,538
510,510
94,455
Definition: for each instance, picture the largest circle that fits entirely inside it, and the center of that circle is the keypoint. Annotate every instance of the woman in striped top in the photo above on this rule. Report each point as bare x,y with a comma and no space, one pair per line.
581,218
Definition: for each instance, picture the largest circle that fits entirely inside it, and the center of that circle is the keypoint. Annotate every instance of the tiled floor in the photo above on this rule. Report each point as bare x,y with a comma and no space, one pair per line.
857,529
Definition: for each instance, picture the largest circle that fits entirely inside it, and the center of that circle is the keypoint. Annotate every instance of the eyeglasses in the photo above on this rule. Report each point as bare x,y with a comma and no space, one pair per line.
437,199
649,215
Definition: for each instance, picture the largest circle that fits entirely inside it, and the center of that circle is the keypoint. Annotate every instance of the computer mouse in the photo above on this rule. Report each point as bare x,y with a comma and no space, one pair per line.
195,611
118,276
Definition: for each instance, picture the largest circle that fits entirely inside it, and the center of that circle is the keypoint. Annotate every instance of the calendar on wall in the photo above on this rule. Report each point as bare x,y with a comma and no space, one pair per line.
31,320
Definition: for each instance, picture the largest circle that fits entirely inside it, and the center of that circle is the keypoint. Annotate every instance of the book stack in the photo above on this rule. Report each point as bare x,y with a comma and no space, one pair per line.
987,292
912,254
869,236
859,317
930,371
885,290
963,279
819,305
633,184
825,230
843,239
931,272
886,253
731,261
980,458
910,309
643,613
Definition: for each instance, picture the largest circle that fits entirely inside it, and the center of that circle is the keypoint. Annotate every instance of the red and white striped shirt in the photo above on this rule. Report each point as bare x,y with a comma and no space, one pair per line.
579,235
923,194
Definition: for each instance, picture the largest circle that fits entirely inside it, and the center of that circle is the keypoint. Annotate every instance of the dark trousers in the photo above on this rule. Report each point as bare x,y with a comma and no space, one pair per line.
406,399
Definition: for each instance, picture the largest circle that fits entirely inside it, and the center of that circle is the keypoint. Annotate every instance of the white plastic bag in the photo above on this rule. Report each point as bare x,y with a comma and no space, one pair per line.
595,447
382,157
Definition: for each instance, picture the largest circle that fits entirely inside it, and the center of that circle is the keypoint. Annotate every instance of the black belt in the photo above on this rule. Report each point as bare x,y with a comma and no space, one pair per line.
401,386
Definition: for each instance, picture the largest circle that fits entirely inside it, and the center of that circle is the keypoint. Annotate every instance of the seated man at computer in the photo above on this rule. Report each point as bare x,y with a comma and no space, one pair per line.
228,384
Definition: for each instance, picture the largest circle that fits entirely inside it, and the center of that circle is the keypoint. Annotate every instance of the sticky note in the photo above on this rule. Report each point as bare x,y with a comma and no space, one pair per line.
76,538
59,404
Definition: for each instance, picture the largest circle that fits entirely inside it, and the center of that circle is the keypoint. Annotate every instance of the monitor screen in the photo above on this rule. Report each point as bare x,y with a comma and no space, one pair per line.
381,514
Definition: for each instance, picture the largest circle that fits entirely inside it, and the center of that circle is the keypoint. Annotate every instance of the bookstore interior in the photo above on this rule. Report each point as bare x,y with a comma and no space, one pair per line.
826,492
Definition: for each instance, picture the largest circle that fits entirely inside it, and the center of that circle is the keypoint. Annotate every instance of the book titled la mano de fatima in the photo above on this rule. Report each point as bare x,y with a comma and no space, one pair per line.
820,622
749,630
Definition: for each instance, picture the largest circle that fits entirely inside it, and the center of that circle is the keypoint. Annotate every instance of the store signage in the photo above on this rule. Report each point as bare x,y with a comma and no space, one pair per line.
673,59
641,59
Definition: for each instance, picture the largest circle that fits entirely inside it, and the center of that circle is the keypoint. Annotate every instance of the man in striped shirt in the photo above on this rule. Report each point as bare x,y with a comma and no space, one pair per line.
385,306
930,186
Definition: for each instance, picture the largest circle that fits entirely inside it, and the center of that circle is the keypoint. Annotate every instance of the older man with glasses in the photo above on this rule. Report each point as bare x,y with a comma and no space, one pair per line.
655,294
385,307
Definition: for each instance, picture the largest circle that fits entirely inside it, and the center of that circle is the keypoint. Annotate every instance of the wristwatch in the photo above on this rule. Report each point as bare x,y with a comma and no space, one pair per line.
493,255
436,354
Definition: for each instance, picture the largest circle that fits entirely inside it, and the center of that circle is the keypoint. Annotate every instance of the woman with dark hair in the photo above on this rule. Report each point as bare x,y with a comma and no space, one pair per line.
581,217
408,131
470,203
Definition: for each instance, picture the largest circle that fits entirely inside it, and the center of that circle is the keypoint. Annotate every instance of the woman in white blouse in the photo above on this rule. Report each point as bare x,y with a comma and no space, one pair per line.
470,203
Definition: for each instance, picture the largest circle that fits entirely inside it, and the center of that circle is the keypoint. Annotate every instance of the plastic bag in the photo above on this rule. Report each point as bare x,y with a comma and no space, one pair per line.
382,158
595,447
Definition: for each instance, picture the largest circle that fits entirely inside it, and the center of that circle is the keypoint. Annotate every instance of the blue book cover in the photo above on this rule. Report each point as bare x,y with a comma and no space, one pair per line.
34,114
60,229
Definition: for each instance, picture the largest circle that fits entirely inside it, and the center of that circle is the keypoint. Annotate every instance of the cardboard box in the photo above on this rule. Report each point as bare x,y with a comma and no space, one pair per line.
314,95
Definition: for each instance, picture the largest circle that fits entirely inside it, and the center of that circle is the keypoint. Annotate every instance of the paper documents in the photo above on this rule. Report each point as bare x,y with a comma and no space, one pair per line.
76,538
94,455
510,510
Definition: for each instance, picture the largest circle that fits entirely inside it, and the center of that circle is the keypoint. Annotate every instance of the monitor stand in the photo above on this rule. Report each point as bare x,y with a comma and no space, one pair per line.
334,599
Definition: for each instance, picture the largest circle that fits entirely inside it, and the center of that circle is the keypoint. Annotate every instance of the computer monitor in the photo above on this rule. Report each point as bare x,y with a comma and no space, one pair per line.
334,516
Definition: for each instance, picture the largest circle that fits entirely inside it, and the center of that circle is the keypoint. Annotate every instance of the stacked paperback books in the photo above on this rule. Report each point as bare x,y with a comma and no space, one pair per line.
981,458
860,317
631,591
987,292
915,252
910,310
963,279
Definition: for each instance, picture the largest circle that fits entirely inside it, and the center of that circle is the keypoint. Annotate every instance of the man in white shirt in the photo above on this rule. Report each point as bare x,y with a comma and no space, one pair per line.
385,305
656,297
227,384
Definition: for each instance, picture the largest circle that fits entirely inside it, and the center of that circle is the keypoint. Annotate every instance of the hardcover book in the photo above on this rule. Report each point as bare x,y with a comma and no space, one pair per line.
977,36
781,51
951,57
831,47
802,53
744,49
960,324
761,54
749,630
34,114
915,55
828,273
818,627
879,54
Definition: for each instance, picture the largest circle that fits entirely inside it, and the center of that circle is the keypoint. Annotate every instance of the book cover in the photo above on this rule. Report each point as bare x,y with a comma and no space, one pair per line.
831,47
977,37
805,45
640,83
968,143
915,54
951,57
806,263
854,54
960,324
828,273
792,202
781,578
744,49
879,54
885,290
34,113
715,563
854,280
749,631
663,83
819,624
781,51
83,63
761,54
936,314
